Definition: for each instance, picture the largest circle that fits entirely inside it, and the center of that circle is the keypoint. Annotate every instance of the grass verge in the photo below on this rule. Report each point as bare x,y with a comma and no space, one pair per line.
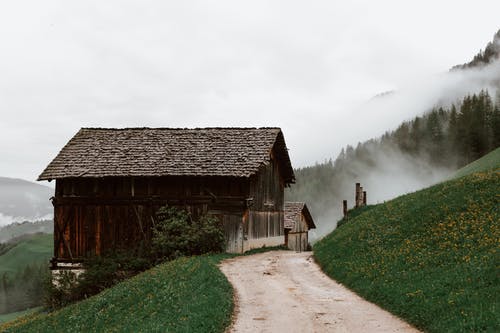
184,295
13,315
431,257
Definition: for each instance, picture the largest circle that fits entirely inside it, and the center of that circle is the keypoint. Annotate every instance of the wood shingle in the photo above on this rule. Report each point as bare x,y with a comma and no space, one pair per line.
152,152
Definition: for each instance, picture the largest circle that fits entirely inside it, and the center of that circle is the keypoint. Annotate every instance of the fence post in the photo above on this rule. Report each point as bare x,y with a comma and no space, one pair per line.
356,202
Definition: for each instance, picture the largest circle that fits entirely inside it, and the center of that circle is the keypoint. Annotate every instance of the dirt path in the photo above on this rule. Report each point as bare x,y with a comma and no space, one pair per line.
284,291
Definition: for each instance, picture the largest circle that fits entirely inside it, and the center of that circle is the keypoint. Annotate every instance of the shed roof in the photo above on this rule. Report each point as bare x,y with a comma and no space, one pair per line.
293,210
112,152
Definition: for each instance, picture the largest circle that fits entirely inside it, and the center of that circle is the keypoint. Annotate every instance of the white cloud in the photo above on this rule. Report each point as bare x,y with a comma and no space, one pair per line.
303,67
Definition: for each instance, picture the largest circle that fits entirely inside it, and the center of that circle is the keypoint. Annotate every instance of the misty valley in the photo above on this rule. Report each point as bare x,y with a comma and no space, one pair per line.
412,160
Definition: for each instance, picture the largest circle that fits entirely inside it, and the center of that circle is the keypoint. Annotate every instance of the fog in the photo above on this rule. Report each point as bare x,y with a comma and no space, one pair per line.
391,172
374,116
308,69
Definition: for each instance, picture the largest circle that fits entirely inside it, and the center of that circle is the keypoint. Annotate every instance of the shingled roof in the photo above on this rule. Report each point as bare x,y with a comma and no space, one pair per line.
110,152
292,214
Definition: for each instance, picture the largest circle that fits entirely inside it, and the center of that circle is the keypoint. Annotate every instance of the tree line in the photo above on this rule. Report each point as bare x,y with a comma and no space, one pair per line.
453,136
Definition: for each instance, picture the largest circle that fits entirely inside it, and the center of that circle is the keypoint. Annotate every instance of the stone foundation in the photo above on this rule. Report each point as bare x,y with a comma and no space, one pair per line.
263,242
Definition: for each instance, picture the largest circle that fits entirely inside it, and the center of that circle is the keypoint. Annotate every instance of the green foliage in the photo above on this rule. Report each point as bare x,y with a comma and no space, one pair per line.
430,257
59,290
24,289
458,134
23,268
184,295
175,234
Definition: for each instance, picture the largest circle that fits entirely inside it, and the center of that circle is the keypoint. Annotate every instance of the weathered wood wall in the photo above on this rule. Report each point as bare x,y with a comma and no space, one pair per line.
298,235
95,215
266,213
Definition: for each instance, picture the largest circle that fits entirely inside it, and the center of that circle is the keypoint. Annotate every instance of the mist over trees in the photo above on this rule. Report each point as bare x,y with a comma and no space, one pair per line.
451,137
23,290
485,57
418,153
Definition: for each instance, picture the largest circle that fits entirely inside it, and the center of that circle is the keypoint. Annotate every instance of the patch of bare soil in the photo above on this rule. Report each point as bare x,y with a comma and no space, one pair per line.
284,291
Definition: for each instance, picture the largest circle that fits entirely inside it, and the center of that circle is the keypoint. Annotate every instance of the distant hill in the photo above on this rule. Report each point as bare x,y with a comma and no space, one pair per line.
430,257
21,200
25,228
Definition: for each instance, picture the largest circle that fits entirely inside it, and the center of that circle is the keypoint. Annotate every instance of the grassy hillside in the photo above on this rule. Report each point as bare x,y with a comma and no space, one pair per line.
431,257
488,162
185,295
35,249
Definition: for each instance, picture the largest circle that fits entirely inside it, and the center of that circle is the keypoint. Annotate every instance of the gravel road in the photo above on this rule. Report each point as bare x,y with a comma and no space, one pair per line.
284,291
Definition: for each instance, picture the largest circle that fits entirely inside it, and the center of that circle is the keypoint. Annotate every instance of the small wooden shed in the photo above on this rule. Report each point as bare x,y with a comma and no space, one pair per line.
298,222
110,183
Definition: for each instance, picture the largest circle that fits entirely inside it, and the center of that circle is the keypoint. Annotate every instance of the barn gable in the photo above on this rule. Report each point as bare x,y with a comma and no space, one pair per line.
293,212
297,222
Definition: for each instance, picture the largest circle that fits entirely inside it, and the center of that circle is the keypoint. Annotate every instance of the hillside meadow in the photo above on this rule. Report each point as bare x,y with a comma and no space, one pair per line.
431,257
184,295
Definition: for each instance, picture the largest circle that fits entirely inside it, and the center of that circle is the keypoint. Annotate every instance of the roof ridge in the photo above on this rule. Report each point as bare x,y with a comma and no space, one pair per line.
144,151
178,128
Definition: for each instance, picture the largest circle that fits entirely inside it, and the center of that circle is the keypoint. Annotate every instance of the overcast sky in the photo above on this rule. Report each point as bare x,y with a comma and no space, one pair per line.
308,67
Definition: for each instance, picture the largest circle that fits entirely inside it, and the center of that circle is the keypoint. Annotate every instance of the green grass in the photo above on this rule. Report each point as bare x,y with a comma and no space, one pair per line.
35,249
184,295
14,315
353,213
488,162
431,257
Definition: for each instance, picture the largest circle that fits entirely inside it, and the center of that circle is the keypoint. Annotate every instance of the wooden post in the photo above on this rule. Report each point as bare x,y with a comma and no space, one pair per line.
360,196
344,208
364,198
356,202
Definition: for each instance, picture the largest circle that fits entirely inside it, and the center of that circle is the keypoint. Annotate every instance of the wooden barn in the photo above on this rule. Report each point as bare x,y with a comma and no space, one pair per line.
111,182
298,222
